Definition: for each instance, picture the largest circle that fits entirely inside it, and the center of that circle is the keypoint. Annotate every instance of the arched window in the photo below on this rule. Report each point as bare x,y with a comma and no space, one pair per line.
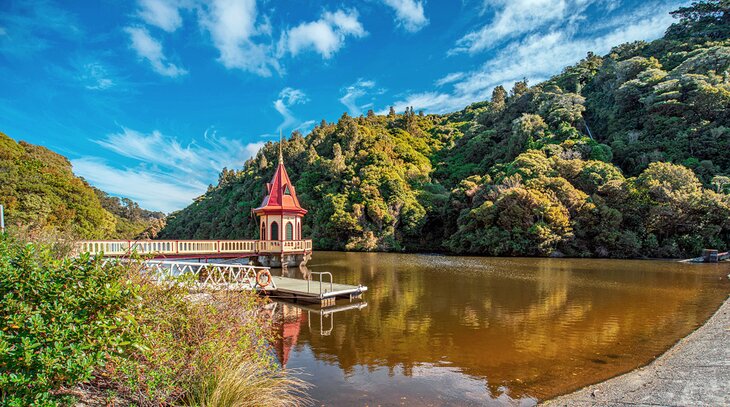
274,231
263,230
289,231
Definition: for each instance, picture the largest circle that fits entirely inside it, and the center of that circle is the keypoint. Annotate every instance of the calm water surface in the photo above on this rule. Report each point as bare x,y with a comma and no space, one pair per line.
439,330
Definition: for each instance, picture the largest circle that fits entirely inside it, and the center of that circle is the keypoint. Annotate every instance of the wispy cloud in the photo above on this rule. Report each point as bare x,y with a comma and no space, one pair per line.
325,36
355,91
164,14
30,27
450,78
152,190
514,17
168,174
233,27
408,13
539,56
150,49
287,98
95,76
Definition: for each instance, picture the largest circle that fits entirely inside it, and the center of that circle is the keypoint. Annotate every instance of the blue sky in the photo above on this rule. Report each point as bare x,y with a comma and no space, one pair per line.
150,99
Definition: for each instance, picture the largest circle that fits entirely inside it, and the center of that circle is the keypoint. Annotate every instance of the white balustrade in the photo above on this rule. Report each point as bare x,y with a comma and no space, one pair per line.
171,248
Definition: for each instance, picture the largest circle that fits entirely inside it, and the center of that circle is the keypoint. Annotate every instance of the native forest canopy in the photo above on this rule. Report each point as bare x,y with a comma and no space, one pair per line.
41,194
622,155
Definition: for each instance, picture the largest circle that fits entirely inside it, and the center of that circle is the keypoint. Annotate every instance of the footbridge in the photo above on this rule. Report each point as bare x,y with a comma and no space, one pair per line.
238,277
198,249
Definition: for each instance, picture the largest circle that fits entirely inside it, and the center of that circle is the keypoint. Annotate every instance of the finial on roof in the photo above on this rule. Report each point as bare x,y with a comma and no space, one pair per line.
281,155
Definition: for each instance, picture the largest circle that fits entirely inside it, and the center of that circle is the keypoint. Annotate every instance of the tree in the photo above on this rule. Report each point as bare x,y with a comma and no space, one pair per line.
499,97
519,89
707,18
721,183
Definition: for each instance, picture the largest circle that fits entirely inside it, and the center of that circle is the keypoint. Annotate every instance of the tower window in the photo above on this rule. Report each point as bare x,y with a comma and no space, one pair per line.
286,190
289,231
274,231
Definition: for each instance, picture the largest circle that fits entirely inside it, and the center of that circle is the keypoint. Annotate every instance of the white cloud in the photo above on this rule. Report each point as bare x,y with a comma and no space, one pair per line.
355,91
287,98
539,56
515,17
232,27
152,190
164,14
95,76
450,78
151,50
167,174
325,36
408,13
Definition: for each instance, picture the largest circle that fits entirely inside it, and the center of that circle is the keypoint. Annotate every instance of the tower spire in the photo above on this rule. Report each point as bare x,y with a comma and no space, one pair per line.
281,155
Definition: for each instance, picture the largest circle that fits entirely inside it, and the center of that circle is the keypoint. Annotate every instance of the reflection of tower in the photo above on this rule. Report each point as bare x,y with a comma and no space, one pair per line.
288,330
306,273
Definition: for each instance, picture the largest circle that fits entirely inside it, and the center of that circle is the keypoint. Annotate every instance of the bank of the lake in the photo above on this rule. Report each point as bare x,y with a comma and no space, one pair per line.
695,371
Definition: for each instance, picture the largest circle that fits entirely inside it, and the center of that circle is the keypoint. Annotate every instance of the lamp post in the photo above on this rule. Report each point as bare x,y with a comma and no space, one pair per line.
2,219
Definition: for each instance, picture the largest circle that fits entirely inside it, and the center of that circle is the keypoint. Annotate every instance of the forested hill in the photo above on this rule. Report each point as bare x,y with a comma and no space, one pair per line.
41,194
622,155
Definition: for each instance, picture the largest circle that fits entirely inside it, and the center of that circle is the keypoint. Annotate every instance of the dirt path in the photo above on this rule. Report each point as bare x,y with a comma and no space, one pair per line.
695,372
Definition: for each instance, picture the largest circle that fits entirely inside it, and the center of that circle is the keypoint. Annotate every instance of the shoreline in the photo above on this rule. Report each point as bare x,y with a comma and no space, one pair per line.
695,371
451,254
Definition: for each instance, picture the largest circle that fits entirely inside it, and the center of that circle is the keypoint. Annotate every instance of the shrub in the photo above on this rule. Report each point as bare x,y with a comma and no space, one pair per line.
60,318
195,347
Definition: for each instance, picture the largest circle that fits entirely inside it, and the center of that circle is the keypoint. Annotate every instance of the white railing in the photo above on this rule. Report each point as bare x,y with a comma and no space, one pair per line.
284,246
211,276
188,247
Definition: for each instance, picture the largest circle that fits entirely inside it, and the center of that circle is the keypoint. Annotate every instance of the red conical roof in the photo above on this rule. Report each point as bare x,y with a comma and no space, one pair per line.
281,195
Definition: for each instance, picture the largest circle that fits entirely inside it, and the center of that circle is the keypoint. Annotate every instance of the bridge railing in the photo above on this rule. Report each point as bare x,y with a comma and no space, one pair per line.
211,275
187,247
284,246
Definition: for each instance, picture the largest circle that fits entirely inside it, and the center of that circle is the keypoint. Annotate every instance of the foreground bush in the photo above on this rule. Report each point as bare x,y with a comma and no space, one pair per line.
60,319
95,330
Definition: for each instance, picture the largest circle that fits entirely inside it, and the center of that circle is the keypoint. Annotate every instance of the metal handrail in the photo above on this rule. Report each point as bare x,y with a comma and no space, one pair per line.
216,275
320,273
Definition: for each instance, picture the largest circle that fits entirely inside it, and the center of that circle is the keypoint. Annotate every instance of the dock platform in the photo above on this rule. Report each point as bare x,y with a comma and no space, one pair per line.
315,291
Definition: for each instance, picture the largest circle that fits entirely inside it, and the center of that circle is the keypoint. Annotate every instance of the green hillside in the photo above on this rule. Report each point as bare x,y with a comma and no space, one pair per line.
622,155
41,193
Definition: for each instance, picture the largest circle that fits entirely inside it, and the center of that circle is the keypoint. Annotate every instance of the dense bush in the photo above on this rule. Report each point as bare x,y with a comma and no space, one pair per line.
120,336
61,319
538,170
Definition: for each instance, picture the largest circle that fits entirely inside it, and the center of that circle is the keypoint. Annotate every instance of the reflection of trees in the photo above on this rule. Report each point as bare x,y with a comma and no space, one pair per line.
536,326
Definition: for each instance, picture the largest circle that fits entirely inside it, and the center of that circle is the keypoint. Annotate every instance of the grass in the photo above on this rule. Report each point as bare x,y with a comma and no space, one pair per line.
246,385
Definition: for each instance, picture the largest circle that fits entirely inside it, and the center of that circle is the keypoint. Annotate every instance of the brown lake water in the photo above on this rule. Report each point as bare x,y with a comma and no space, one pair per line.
442,330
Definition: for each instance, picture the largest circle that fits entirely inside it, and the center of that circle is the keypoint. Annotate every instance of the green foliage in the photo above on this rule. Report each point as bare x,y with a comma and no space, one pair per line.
189,343
61,320
41,193
65,322
569,166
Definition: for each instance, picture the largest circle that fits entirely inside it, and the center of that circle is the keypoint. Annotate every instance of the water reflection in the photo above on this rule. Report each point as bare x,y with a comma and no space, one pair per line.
456,330
291,318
